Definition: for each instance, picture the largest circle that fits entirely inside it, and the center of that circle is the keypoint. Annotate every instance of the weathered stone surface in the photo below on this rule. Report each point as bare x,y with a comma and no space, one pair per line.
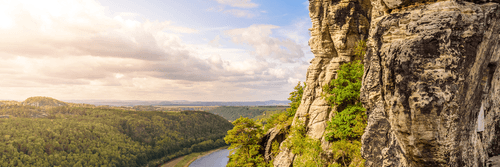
428,70
493,161
273,135
430,66
337,26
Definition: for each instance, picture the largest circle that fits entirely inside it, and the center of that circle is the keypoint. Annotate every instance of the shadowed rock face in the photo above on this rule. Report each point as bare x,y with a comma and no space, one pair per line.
428,70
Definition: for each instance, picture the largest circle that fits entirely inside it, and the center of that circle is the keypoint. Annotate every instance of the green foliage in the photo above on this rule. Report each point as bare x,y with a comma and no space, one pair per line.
345,88
344,130
308,151
43,101
232,113
348,124
78,136
295,98
266,115
284,119
244,139
347,152
246,135
279,120
360,49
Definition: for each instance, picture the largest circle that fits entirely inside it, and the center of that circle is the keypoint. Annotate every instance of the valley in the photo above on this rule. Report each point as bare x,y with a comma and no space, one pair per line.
42,131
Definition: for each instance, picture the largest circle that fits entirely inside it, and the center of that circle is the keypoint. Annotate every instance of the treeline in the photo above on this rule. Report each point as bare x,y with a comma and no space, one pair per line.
80,136
232,113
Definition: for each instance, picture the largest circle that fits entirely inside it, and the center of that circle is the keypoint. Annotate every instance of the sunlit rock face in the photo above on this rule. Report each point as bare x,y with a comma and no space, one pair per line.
337,26
429,69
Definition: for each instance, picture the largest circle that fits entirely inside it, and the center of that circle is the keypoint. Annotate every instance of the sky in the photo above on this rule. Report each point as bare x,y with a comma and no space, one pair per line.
196,50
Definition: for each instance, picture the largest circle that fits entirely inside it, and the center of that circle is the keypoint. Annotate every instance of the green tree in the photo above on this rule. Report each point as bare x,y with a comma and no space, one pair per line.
244,139
295,98
344,130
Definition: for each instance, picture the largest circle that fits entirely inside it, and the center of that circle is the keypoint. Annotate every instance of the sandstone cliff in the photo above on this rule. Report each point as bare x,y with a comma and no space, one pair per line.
431,70
337,26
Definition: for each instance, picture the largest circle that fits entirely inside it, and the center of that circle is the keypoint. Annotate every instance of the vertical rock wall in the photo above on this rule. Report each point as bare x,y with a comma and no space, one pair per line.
337,26
429,69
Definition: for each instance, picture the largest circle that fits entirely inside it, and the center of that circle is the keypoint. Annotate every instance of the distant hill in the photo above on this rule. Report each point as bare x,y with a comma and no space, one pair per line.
236,103
9,102
180,103
40,101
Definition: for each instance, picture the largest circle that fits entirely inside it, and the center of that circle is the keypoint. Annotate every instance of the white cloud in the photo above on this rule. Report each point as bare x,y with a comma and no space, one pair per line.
259,37
219,8
238,3
73,50
241,13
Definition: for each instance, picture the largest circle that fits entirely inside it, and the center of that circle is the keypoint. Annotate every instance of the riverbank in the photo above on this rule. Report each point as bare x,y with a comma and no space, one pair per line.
186,160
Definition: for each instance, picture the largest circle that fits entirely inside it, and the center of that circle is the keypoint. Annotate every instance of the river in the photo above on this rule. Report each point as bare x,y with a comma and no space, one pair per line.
216,159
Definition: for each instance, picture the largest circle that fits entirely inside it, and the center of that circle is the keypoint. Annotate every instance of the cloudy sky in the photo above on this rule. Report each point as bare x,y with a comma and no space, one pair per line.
197,50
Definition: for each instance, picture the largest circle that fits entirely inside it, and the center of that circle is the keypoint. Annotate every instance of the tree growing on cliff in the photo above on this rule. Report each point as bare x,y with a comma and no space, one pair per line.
344,130
295,98
244,139
246,134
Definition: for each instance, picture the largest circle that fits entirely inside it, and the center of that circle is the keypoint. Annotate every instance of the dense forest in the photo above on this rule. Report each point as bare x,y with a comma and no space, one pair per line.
64,134
232,113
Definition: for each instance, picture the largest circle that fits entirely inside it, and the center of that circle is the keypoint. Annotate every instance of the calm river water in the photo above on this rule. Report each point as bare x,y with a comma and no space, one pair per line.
216,159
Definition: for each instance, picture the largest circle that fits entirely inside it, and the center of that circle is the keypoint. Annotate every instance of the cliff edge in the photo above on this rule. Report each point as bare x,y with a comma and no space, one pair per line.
431,85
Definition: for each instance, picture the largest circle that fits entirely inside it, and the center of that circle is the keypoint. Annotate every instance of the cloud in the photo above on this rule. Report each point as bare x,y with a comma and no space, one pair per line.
238,3
73,50
215,42
235,12
265,46
241,13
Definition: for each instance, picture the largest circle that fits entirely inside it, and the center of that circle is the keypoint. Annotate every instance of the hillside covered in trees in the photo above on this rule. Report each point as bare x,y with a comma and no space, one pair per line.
66,134
232,113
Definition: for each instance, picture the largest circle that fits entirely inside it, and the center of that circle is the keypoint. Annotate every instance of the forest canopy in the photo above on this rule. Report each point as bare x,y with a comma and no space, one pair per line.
85,136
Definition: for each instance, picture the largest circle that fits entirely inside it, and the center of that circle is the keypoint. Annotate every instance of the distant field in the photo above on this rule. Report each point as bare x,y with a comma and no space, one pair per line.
188,106
270,108
180,108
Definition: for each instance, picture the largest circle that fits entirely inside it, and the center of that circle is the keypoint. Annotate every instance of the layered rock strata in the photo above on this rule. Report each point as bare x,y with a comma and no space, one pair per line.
430,68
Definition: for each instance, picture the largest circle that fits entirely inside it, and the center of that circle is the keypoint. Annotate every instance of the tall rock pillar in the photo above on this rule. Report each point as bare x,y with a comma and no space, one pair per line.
337,26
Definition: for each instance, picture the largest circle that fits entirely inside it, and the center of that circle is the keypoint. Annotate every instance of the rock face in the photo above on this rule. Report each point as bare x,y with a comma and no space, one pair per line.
273,135
430,68
337,26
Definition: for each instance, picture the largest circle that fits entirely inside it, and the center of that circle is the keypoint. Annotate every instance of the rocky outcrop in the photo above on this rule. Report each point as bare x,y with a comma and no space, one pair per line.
337,26
273,135
430,69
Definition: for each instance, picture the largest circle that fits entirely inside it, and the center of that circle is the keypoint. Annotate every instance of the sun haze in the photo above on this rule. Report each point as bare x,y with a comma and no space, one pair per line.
210,50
